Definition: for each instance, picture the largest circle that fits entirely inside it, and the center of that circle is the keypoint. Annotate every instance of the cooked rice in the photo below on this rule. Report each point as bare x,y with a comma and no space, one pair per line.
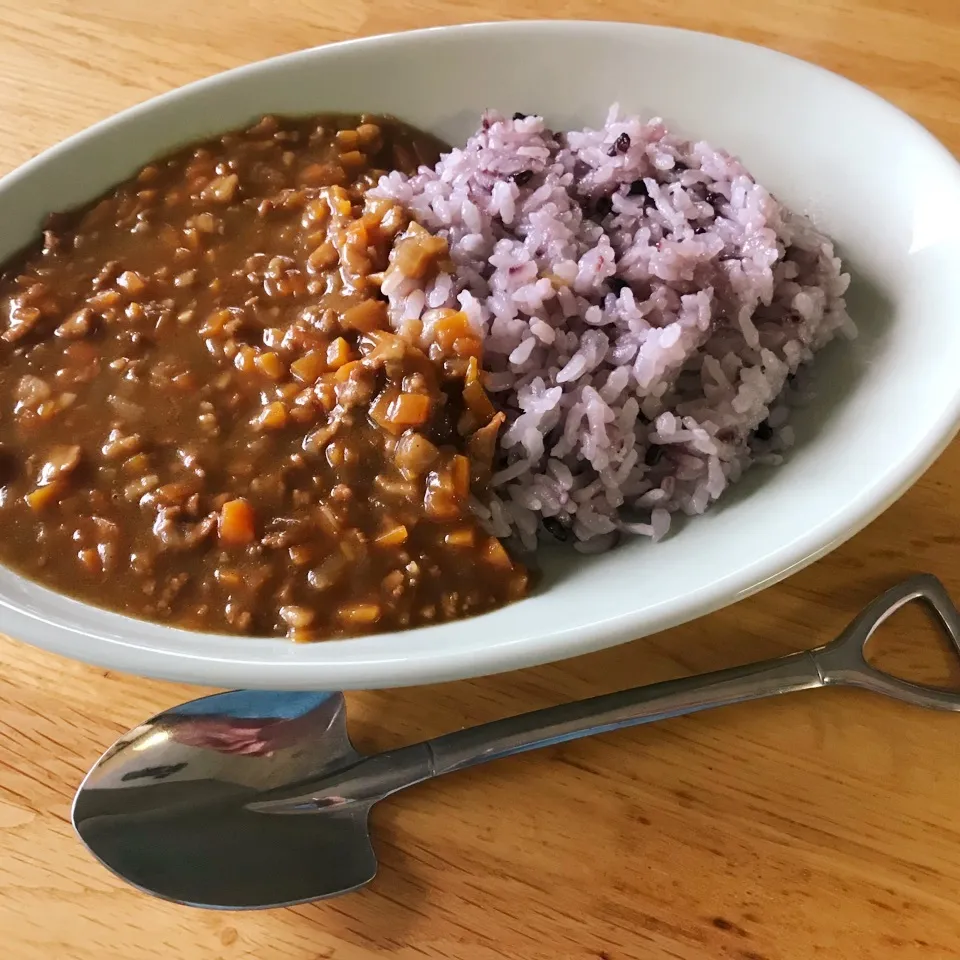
644,304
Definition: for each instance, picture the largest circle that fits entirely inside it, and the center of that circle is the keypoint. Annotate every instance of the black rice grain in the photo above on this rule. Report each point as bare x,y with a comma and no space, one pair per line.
764,432
556,528
620,145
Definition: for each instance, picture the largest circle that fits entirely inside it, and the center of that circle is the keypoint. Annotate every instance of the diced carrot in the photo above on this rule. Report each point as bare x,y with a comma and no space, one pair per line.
317,210
270,364
418,252
477,401
339,201
379,411
104,299
473,371
272,417
462,537
237,525
409,410
316,237
495,554
45,496
454,326
215,323
359,614
467,347
392,535
273,337
357,233
460,476
373,234
375,208
307,369
338,353
439,500
482,445
347,370
245,359
324,257
366,316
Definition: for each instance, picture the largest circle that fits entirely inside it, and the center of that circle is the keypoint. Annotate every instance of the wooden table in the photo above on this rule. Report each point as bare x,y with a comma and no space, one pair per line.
824,825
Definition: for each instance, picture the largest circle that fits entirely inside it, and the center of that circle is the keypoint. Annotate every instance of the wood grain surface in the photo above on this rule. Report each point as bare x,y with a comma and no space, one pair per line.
819,825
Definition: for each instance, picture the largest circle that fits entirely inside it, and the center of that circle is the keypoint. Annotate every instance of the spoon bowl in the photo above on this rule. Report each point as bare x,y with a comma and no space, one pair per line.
166,808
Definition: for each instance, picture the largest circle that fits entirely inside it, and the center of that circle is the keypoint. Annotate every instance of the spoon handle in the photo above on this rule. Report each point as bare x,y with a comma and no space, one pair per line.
840,662
382,774
626,708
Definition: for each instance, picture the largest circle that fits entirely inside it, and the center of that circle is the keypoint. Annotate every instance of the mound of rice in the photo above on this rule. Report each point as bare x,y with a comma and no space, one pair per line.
643,303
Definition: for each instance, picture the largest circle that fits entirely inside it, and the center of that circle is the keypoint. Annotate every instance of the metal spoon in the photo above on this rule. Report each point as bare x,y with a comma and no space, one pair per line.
199,805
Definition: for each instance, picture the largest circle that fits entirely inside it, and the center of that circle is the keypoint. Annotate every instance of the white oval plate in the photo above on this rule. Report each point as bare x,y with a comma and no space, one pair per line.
887,404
